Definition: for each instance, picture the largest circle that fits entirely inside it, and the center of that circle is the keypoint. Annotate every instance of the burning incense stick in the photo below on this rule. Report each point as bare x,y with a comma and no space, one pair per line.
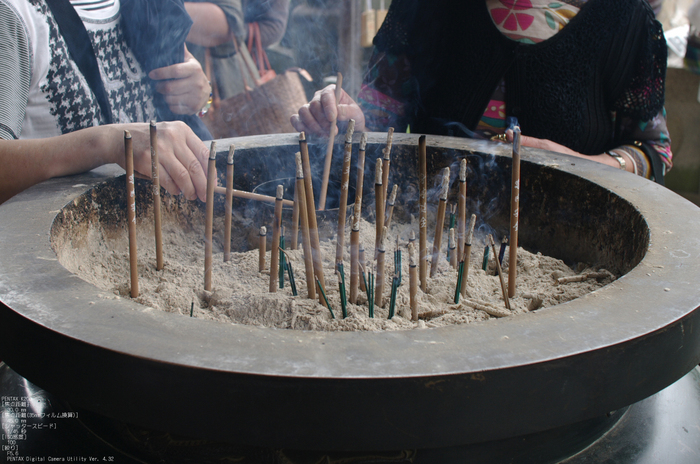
490,310
466,256
392,300
381,253
262,244
379,205
209,218
295,221
290,273
329,149
423,214
386,161
229,204
360,260
452,247
323,294
276,233
305,233
440,221
155,169
502,250
514,213
282,260
397,260
355,258
462,207
504,288
344,185
341,287
583,277
131,212
453,216
251,196
370,289
485,262
413,281
311,210
390,205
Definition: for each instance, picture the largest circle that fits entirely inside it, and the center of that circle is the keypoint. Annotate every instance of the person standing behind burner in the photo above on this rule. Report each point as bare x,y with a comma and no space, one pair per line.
50,121
583,77
214,23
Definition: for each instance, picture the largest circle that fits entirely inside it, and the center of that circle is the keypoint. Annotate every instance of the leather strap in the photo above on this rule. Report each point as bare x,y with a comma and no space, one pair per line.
80,49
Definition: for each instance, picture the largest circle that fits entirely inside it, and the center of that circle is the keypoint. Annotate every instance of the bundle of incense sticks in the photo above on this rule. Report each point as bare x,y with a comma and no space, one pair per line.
423,213
276,234
344,186
462,207
262,244
131,212
386,160
311,212
305,232
440,221
155,170
514,213
229,204
209,216
379,205
329,148
355,233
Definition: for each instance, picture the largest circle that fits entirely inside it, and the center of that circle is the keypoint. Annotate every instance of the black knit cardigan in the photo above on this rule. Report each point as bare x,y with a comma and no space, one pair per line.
608,62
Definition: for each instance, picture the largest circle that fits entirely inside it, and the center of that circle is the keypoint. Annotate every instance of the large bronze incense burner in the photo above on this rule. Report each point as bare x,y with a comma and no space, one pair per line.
427,388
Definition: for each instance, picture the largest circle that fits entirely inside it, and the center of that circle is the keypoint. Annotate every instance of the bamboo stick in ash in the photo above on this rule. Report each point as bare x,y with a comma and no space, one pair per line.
361,260
467,256
209,218
295,221
155,174
423,214
452,247
344,186
355,281
229,204
262,245
381,253
305,233
462,207
413,281
386,161
500,273
276,233
514,214
311,212
329,148
131,212
379,205
440,221
390,205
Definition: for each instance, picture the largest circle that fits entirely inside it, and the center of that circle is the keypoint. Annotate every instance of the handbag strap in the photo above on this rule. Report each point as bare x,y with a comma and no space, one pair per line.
81,51
256,49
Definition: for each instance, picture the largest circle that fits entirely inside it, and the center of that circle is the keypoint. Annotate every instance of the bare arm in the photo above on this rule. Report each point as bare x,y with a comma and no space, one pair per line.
182,156
210,26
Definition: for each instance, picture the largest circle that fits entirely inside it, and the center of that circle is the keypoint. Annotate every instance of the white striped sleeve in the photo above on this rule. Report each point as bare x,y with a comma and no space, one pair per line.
15,72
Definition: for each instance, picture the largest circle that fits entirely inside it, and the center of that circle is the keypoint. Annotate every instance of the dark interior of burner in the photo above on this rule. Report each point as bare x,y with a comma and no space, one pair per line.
562,215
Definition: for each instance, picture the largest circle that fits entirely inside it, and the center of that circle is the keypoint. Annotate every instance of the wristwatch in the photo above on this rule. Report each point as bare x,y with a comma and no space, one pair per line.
620,159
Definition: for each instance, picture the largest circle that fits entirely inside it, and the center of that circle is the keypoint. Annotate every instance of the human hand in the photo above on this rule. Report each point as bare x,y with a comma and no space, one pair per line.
317,116
543,144
184,85
182,157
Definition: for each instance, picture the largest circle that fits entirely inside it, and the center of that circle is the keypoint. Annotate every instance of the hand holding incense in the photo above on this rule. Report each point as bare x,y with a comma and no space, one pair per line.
131,212
209,221
440,221
276,234
155,169
514,213
500,273
262,244
344,186
229,204
462,207
329,148
423,213
311,209
305,233
413,281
